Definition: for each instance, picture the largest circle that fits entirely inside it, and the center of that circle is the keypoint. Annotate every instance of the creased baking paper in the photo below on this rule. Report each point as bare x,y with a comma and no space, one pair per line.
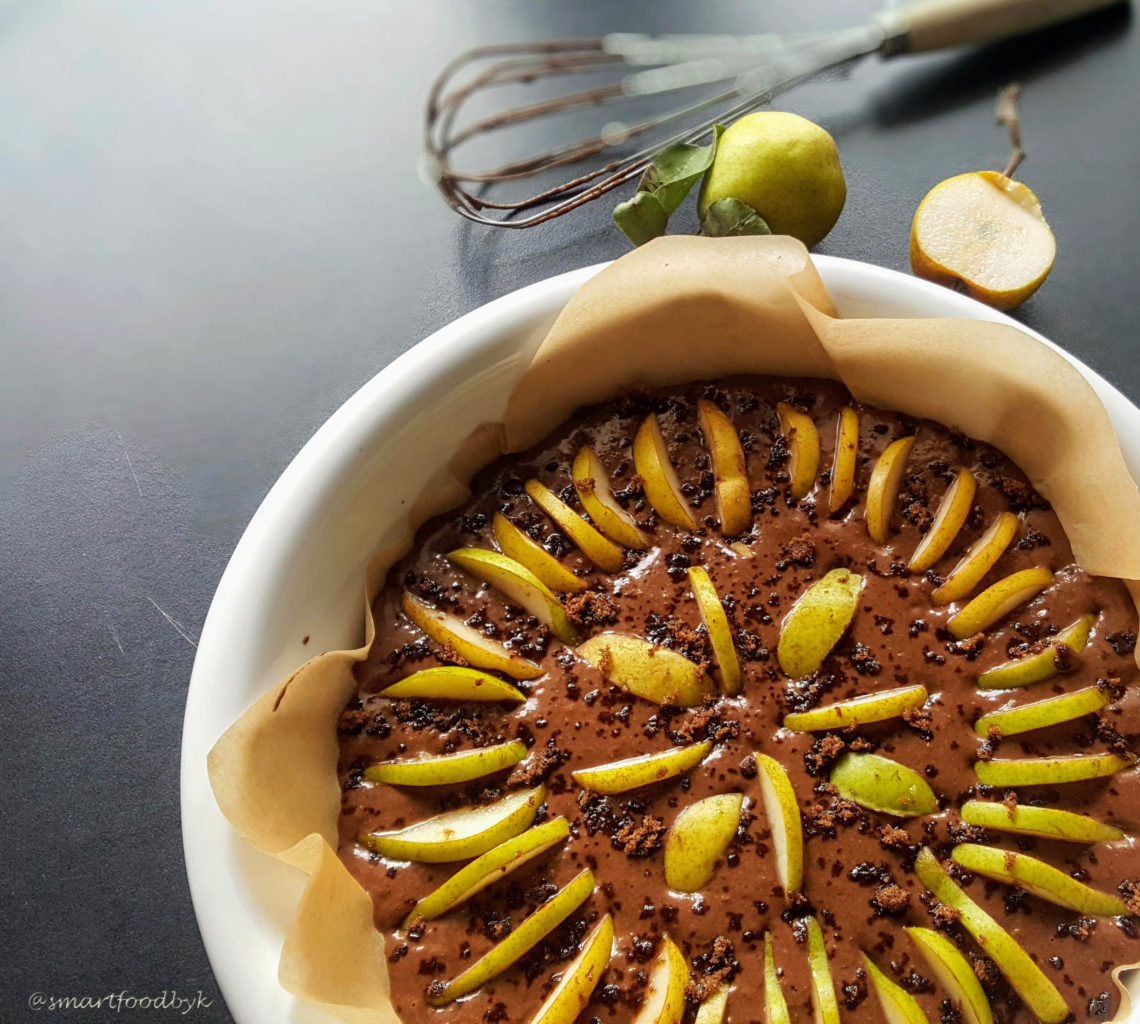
675,310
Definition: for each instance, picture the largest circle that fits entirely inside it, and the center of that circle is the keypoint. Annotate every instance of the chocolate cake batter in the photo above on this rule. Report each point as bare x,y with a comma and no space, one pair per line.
858,876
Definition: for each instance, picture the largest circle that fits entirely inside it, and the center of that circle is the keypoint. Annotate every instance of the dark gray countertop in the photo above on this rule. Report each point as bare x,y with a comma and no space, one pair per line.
212,233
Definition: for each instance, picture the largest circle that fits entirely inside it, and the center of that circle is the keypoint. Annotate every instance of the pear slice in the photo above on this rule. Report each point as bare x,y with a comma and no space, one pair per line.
646,670
775,1005
460,834
448,769
711,1010
733,494
883,488
861,710
1038,878
897,1004
1046,822
491,867
955,974
803,443
823,1000
883,785
1036,668
720,632
816,621
845,461
519,585
1048,771
659,478
998,600
517,545
698,838
783,813
977,561
451,682
605,554
527,935
1036,991
569,997
664,1001
468,643
1042,713
592,483
644,770
953,510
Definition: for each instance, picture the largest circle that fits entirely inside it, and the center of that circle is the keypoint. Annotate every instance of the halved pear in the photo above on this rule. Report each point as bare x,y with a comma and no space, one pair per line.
822,985
462,833
646,670
1048,771
468,643
783,813
733,494
528,934
698,838
1038,878
720,632
517,545
489,868
1036,668
861,710
711,1010
955,973
845,460
448,769
816,621
1046,822
1036,991
570,996
977,561
953,510
659,478
803,445
452,682
644,770
664,1001
775,1005
605,554
1043,713
883,785
592,483
519,585
897,1004
883,488
998,600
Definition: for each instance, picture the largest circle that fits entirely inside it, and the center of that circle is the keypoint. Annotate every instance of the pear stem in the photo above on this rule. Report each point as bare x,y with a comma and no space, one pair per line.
1006,113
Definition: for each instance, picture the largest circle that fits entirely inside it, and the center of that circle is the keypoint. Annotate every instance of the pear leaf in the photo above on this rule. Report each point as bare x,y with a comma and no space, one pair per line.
670,176
728,217
641,218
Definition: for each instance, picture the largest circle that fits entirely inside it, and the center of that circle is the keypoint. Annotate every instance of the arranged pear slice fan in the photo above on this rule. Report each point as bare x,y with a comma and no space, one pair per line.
517,545
605,554
594,491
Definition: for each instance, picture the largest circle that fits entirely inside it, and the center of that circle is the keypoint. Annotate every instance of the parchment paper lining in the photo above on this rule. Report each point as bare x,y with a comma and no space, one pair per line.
675,310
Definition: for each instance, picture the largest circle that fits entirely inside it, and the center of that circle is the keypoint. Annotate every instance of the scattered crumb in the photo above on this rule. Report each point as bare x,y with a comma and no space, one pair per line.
591,608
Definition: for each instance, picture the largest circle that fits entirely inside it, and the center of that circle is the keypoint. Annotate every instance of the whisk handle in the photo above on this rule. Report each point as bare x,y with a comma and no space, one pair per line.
938,24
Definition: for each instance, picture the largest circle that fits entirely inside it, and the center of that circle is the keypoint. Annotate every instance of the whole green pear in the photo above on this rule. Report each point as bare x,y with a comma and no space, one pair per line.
785,167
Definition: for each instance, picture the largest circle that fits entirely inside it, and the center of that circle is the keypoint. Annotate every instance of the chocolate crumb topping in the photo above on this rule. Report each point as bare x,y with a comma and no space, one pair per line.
859,880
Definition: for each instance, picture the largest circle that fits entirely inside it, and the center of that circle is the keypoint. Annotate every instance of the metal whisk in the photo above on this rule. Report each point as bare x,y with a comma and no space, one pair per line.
722,76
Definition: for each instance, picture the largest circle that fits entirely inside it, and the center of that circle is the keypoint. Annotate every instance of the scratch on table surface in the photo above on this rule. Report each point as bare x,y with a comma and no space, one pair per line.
115,636
135,477
175,623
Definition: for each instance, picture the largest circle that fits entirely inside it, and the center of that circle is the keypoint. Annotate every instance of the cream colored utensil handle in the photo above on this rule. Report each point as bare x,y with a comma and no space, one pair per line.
938,24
